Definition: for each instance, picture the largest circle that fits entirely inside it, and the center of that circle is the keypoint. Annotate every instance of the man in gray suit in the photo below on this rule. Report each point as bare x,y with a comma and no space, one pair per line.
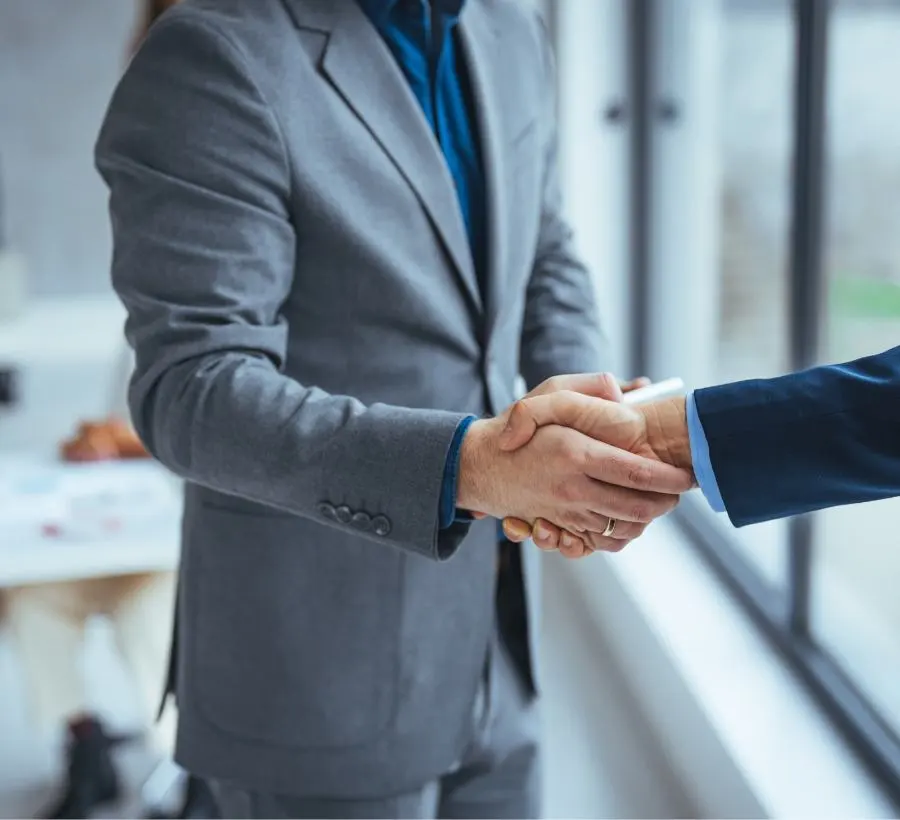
338,235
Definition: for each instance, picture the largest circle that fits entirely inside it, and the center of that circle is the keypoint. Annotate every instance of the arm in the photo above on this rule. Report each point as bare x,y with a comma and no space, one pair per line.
815,439
561,330
761,449
204,258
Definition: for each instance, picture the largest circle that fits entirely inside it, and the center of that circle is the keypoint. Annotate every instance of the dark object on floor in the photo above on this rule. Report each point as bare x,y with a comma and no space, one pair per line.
92,779
9,392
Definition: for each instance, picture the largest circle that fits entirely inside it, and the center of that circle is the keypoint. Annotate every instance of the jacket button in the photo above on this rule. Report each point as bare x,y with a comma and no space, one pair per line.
344,514
327,510
361,521
381,525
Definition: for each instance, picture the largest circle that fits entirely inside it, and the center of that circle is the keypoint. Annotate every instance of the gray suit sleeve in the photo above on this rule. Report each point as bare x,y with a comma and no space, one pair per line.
561,331
203,260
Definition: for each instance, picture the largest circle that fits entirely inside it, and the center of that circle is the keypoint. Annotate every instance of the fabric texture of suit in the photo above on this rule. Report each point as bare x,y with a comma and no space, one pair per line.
309,332
819,438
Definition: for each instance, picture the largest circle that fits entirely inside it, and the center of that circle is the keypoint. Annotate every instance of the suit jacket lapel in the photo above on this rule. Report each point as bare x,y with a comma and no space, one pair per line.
360,66
480,41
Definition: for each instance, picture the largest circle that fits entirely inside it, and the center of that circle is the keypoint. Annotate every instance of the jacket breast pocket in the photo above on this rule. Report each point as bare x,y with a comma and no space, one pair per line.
292,629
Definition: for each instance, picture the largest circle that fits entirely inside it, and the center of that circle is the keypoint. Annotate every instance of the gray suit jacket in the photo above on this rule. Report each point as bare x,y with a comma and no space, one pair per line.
308,332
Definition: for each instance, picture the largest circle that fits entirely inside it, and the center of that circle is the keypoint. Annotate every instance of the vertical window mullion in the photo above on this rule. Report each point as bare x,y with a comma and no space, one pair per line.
642,48
807,288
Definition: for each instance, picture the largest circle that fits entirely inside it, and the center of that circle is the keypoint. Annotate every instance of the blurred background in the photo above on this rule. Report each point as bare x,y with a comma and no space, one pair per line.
732,173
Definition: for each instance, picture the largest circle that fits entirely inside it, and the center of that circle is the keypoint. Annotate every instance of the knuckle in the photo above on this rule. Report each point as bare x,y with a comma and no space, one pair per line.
517,409
541,389
594,542
575,524
551,385
555,383
575,454
639,475
567,491
610,383
574,551
641,513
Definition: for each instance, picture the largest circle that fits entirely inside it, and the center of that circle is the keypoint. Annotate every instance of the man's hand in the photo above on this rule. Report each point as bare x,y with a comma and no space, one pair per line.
654,431
564,475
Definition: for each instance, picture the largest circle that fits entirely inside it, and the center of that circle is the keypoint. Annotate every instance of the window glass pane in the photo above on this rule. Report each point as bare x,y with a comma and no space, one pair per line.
856,606
755,137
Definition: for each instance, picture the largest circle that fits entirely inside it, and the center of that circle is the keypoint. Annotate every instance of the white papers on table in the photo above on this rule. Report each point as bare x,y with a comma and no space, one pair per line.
76,501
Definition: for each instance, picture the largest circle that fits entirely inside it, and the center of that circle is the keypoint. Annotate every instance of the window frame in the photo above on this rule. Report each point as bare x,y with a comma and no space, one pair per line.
782,615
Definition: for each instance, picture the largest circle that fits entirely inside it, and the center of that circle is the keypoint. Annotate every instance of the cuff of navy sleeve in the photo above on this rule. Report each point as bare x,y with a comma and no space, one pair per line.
449,515
703,469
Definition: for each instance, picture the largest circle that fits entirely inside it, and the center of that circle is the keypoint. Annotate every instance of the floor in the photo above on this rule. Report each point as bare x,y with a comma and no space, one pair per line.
598,755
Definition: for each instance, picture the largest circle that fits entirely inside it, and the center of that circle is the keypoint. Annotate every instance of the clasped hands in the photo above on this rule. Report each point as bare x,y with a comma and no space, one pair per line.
565,461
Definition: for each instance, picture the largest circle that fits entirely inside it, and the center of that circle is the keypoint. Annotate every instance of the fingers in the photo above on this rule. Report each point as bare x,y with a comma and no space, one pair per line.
573,546
594,503
521,423
625,469
546,535
599,385
622,531
516,530
598,543
635,384
566,408
549,537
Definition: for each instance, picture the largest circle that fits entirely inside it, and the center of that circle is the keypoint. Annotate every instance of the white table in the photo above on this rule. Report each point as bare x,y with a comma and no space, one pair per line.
67,351
36,493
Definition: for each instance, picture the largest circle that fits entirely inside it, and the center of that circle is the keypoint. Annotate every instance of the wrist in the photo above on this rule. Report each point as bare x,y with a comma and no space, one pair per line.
473,479
667,431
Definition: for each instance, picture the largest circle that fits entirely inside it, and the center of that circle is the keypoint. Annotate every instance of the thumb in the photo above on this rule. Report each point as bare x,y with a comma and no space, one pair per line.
564,408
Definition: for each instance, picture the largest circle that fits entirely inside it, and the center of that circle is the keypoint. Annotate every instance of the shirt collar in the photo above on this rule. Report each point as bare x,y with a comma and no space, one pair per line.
379,11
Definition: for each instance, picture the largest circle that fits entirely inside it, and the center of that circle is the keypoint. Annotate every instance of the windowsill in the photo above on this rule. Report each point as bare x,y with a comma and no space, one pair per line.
740,731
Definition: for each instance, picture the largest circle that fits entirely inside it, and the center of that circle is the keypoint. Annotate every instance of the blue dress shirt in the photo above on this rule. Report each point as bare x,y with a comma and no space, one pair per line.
703,469
422,37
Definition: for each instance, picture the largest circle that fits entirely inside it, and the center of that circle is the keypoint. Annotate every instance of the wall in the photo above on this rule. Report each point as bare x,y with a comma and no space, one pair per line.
59,62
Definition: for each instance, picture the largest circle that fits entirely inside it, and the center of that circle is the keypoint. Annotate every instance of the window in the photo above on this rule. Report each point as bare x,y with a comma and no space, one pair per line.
856,608
753,139
765,180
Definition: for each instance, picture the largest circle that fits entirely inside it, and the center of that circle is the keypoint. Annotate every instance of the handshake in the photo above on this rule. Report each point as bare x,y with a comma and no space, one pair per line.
576,469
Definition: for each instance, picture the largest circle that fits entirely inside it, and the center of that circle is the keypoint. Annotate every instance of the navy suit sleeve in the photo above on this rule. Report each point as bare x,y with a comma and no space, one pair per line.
814,439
